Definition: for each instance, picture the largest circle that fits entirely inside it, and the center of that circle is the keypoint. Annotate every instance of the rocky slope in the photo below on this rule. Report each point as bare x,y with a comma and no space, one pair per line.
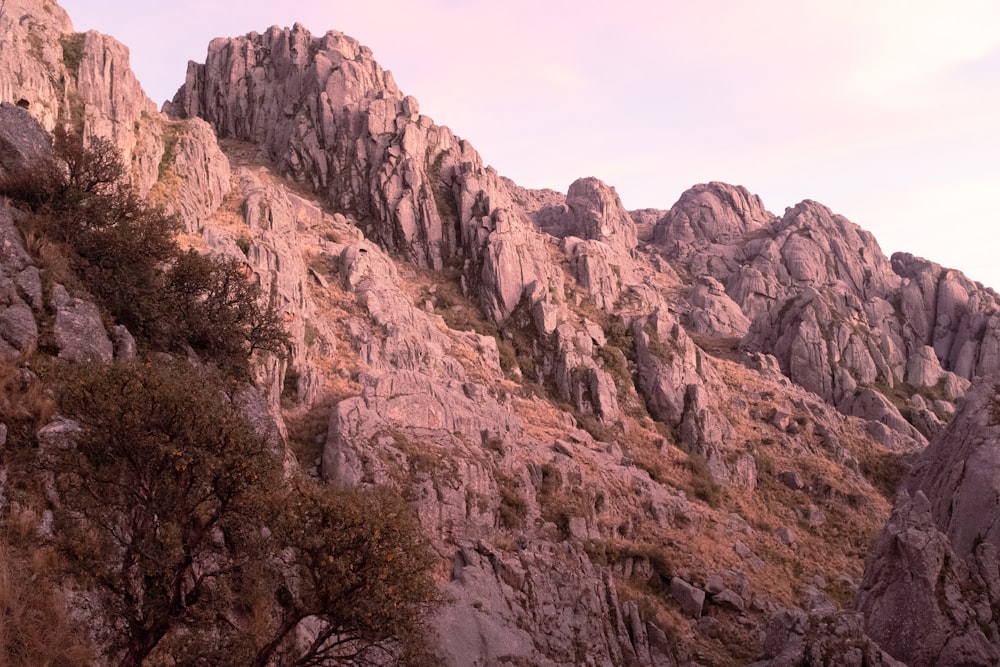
655,438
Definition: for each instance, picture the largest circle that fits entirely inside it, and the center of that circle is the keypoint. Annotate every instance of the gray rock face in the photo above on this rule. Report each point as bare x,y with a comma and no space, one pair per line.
713,311
543,527
599,214
796,638
23,142
405,337
81,79
78,331
114,103
18,327
923,368
815,291
198,178
30,48
679,384
933,576
506,588
713,213
276,224
326,113
690,598
601,269
829,343
409,403
947,311
820,247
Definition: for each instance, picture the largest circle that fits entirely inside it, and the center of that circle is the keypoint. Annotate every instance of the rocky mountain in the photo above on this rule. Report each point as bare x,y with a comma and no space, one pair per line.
649,438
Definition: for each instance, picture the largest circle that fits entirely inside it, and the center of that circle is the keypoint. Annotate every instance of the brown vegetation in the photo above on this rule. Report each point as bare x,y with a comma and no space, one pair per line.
88,222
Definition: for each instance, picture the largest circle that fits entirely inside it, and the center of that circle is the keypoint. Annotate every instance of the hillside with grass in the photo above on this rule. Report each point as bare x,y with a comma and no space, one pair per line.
291,376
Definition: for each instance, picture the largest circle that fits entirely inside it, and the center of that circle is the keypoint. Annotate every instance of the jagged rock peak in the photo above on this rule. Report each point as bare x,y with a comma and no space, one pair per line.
821,247
942,308
77,80
714,212
292,66
599,213
324,112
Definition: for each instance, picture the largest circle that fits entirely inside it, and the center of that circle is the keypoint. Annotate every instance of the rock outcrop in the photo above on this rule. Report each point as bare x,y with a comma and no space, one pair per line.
327,114
933,578
713,213
648,437
31,40
24,143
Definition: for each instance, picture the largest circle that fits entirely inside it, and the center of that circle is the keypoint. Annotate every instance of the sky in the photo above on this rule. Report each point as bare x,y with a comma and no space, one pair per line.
887,111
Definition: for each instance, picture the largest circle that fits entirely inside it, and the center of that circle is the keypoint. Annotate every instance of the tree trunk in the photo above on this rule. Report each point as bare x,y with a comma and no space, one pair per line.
265,653
139,647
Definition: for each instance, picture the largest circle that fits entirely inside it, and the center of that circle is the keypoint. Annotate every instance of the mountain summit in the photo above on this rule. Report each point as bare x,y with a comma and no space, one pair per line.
650,438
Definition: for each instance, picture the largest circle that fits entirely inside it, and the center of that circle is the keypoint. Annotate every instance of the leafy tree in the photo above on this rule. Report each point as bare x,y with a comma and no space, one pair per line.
74,174
163,493
175,511
363,576
217,307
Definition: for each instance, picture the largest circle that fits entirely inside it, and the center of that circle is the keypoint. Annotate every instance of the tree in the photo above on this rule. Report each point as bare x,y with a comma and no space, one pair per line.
176,513
125,253
163,494
363,575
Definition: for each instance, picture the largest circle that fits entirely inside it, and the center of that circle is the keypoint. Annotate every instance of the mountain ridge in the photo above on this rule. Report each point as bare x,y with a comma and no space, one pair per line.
632,441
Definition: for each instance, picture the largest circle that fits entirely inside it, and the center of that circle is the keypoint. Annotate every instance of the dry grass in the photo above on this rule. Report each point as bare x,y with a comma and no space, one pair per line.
25,403
36,627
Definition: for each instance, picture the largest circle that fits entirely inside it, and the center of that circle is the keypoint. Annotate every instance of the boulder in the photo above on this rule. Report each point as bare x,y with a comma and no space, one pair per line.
23,142
78,330
690,598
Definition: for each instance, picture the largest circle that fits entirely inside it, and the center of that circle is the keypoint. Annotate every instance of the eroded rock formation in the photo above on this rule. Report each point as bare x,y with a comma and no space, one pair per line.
648,437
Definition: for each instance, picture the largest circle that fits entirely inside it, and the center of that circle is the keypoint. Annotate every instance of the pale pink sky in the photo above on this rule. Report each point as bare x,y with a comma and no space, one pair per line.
888,111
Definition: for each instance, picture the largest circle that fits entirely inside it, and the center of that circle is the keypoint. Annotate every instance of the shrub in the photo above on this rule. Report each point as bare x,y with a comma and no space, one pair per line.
664,351
36,627
513,508
25,403
884,470
212,304
125,253
703,484
72,46
616,364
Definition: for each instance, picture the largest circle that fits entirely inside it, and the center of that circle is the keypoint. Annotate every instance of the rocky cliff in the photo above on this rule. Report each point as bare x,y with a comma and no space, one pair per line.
651,437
